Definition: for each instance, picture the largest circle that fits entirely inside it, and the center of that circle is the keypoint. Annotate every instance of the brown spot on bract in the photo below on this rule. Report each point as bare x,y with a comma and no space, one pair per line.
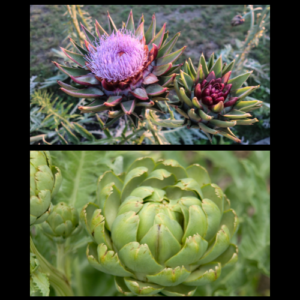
121,53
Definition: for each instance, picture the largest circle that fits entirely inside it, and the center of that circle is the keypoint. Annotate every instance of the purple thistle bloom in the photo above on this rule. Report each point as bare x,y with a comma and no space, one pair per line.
117,57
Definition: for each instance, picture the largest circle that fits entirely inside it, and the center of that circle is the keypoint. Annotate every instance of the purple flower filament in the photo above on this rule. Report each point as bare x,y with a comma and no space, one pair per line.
117,57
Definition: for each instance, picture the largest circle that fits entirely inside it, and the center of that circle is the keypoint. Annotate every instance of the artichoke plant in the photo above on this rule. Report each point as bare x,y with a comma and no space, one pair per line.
160,228
62,222
45,181
125,70
211,101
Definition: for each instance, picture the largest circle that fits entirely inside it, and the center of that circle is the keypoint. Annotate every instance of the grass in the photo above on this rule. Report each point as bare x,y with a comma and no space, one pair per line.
204,28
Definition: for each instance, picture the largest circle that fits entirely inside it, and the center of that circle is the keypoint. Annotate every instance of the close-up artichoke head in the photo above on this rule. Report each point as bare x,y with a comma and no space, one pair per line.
62,222
160,229
124,70
211,101
45,180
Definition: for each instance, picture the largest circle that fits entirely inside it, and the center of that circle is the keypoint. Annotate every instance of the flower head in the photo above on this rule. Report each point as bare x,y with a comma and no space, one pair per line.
118,56
124,70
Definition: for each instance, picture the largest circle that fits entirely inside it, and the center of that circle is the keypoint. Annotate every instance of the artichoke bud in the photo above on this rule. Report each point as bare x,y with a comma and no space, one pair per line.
237,20
62,222
45,181
214,92
160,228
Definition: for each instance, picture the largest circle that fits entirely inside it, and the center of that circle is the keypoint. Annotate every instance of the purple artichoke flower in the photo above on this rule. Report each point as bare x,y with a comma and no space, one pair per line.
126,70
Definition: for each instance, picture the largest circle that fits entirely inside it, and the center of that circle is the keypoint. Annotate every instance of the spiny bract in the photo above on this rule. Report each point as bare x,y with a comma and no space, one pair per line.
211,101
126,69
160,228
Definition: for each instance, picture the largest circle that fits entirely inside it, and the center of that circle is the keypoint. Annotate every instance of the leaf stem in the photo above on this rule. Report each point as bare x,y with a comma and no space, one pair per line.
57,279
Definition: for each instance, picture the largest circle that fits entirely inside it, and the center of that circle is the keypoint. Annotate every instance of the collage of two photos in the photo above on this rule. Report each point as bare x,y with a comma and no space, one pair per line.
152,217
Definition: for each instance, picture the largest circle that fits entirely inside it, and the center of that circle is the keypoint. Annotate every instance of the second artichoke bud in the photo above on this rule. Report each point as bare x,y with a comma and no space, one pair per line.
62,222
45,180
212,101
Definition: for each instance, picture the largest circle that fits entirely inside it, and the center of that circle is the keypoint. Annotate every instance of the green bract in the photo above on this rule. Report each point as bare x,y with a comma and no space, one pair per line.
160,228
45,181
62,222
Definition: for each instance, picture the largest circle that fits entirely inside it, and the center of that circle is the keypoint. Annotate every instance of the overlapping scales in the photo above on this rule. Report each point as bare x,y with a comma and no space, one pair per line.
160,228
212,101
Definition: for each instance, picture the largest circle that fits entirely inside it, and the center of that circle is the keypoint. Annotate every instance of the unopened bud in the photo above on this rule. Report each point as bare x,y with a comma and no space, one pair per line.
237,20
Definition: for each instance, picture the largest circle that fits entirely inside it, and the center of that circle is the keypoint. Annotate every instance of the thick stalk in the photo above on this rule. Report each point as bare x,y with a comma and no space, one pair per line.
58,280
60,257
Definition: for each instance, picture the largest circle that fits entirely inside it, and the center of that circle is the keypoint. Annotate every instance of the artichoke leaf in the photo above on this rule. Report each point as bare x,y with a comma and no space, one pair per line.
219,244
86,215
161,242
131,203
190,184
44,178
147,162
169,276
214,193
141,288
122,287
159,178
149,194
109,201
206,274
105,261
106,178
198,173
214,216
239,80
124,229
175,193
40,204
171,224
98,229
229,257
132,180
197,222
173,167
138,258
193,249
217,67
226,203
57,179
147,215
230,219
179,290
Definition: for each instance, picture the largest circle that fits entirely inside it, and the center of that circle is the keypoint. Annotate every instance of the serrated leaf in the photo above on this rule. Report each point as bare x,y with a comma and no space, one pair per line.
80,171
81,130
166,122
41,281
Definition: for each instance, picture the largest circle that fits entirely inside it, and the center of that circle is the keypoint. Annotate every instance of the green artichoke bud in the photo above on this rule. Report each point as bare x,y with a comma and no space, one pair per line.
160,228
212,102
62,222
45,181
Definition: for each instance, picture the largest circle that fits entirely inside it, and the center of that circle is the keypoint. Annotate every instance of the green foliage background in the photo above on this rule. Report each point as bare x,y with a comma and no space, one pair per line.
243,175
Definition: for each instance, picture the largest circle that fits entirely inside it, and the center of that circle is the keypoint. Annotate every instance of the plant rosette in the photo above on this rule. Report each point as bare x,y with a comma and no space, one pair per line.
160,229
